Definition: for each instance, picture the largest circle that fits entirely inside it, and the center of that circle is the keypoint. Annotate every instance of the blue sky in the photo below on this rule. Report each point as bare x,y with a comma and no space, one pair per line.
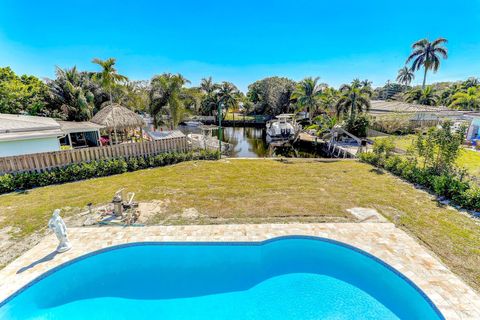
239,41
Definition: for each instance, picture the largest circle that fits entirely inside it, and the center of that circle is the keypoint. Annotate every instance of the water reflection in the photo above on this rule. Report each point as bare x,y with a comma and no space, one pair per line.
247,142
251,143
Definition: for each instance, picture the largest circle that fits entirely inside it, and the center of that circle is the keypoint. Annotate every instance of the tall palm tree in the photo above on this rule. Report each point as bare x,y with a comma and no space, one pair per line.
427,96
307,93
405,76
208,86
108,78
469,100
427,54
228,96
166,96
353,99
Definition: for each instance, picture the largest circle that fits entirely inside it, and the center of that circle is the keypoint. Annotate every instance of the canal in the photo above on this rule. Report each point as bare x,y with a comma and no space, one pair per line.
250,142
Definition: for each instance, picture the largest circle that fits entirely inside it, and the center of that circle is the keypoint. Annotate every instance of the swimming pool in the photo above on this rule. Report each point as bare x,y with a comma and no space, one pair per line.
292,277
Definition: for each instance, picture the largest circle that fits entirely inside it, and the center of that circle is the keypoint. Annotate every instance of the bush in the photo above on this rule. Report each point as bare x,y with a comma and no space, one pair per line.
98,168
449,184
357,125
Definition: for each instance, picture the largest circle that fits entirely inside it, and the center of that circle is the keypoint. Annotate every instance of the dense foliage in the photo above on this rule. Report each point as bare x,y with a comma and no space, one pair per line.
271,96
431,164
93,169
22,94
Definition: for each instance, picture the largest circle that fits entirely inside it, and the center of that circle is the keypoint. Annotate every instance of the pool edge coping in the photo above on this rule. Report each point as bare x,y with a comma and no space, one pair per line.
226,243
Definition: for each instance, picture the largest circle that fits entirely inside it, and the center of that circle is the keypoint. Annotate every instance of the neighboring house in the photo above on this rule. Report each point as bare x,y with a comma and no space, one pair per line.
418,115
20,134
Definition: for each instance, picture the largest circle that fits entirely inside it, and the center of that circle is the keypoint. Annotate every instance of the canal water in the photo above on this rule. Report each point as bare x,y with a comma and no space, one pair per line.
251,142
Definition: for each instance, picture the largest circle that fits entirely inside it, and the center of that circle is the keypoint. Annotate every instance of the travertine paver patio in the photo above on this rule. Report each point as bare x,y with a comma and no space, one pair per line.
450,294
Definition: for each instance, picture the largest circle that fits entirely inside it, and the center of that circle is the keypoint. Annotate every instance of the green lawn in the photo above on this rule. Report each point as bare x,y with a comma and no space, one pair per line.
240,191
468,159
230,116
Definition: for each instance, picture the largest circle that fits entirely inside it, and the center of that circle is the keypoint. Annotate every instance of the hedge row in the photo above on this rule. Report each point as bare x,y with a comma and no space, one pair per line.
462,193
98,168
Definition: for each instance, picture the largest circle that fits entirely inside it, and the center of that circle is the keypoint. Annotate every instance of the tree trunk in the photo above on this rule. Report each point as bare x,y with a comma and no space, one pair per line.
424,77
113,118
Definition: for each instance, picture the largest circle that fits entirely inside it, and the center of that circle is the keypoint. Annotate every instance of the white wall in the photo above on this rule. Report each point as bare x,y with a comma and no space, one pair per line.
18,147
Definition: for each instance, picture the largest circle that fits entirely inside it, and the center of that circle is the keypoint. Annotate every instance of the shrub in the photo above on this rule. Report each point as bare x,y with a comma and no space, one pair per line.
98,168
357,125
448,184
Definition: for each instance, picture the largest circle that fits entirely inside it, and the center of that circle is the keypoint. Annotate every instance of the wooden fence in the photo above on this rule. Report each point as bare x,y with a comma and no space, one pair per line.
48,160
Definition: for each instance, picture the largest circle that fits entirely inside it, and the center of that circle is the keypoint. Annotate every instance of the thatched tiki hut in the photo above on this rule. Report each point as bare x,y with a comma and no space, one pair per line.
115,117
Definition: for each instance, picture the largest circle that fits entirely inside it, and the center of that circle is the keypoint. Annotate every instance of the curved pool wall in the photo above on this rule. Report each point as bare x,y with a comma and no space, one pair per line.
293,277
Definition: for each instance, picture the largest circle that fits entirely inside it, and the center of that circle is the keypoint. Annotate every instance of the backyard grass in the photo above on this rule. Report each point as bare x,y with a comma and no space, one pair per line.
230,116
240,191
468,159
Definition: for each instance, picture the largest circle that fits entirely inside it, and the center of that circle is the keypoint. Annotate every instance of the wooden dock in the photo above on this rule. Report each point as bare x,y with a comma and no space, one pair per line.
337,149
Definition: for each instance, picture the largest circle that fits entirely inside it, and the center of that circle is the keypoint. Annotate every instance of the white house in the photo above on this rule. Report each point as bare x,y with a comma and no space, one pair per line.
20,134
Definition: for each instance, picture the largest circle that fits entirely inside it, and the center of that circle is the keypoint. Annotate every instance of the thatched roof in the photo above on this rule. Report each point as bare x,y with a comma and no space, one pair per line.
124,118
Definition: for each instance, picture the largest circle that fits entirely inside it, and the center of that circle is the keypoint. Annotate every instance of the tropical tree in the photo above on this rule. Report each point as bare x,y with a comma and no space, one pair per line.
166,97
469,100
108,78
307,95
70,94
134,95
22,94
192,98
470,82
427,96
447,94
208,86
271,95
405,76
353,99
427,54
366,83
228,96
329,99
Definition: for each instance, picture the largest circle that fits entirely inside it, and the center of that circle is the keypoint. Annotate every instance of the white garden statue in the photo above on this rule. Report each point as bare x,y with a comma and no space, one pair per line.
57,225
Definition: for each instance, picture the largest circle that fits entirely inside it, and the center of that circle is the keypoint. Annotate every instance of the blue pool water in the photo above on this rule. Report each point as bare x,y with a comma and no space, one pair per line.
285,278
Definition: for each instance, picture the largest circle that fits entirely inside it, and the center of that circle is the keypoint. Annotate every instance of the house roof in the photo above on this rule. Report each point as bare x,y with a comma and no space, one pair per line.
86,126
21,127
115,115
382,107
159,135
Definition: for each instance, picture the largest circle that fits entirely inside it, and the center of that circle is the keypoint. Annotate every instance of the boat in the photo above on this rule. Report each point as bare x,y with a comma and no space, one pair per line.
282,128
193,123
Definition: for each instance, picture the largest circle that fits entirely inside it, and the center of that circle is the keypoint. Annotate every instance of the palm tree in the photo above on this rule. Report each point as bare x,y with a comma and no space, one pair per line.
427,96
69,93
329,99
469,100
447,94
470,82
405,76
228,96
108,78
165,96
427,54
366,83
307,93
353,99
208,86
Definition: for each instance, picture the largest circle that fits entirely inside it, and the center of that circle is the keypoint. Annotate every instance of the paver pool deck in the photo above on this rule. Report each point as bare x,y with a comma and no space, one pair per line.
454,298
